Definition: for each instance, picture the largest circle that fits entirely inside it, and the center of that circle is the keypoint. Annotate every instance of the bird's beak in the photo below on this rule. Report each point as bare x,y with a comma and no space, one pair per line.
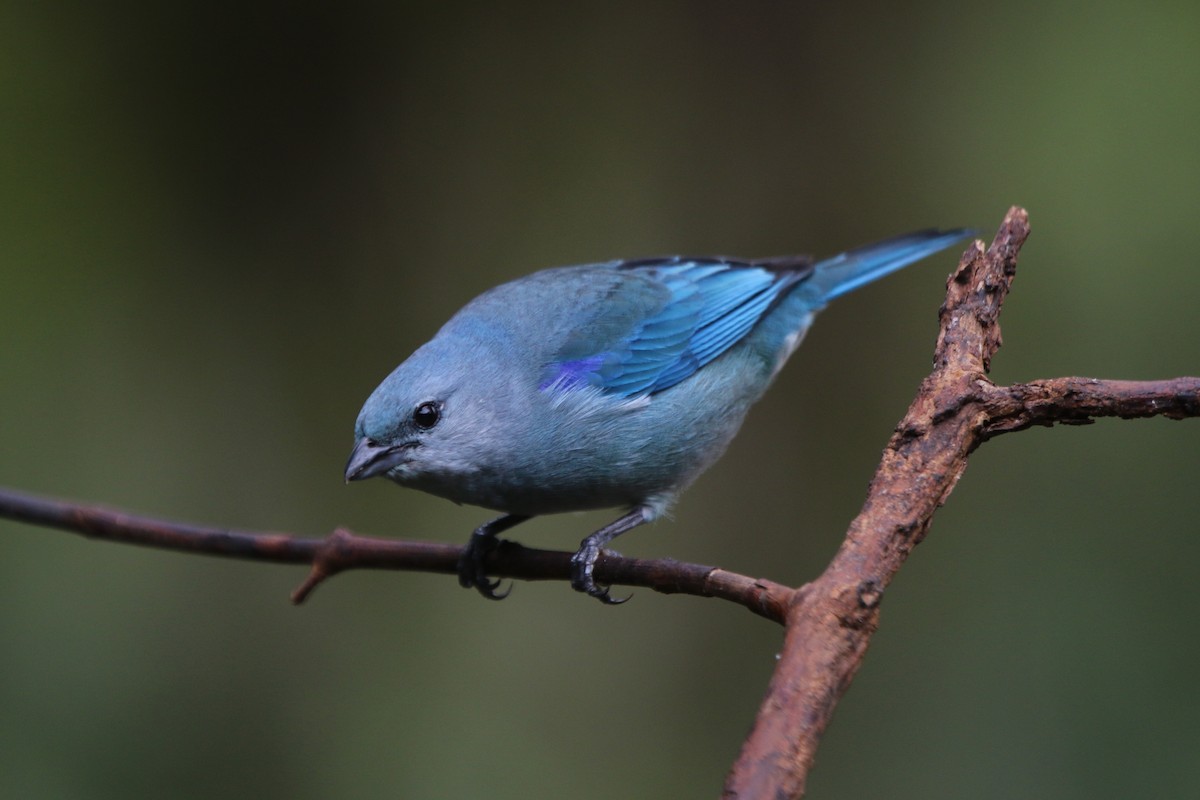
369,459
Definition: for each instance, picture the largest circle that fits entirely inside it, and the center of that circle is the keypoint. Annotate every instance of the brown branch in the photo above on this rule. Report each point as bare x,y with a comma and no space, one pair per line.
1079,401
829,621
343,550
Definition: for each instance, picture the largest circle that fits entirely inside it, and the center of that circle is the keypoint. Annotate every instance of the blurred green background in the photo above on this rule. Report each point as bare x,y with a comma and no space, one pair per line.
224,223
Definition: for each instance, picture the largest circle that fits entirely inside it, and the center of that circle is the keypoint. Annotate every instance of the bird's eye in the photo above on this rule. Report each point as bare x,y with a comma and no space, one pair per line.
426,415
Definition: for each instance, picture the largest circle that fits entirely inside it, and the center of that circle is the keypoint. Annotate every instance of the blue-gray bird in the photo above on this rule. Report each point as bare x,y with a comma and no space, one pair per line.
597,386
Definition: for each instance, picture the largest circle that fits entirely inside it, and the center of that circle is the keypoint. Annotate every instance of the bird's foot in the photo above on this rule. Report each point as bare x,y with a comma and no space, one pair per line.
471,570
582,565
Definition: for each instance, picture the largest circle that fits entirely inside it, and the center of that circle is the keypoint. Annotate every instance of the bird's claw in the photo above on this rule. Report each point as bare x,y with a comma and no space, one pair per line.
471,570
601,594
488,589
582,564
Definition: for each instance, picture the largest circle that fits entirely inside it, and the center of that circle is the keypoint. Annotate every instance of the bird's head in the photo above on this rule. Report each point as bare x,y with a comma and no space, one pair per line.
430,422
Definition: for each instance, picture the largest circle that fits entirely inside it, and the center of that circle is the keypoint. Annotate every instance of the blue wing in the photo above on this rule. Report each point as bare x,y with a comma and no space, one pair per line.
704,307
663,319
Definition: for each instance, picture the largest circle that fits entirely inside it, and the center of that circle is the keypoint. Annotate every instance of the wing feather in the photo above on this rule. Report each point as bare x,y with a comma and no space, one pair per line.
708,306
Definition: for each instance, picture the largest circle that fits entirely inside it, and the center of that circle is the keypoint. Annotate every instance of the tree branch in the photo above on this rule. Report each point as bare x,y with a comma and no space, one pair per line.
829,621
1078,401
343,550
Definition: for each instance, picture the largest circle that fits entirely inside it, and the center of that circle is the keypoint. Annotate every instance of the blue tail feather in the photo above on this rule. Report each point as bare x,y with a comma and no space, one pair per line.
834,277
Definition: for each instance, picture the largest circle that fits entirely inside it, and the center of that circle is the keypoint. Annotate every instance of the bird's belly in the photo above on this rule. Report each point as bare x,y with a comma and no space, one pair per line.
582,487
647,460
587,452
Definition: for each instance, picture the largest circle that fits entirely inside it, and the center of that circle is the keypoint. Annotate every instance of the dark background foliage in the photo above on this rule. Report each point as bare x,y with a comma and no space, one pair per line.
223,223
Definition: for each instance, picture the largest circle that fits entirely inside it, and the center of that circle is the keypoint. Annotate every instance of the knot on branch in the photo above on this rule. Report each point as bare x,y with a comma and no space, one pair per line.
870,592
329,558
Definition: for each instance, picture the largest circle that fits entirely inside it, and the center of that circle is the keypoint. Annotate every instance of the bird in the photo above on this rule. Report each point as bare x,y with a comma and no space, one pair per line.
604,385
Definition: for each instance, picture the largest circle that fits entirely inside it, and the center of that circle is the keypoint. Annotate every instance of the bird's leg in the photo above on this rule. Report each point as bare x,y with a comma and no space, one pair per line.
471,571
584,560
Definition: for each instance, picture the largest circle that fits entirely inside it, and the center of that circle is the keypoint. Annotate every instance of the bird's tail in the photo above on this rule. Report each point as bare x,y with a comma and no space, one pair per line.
844,273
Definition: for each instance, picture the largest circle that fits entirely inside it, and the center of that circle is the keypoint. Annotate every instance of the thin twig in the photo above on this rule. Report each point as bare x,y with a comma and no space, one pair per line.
343,550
